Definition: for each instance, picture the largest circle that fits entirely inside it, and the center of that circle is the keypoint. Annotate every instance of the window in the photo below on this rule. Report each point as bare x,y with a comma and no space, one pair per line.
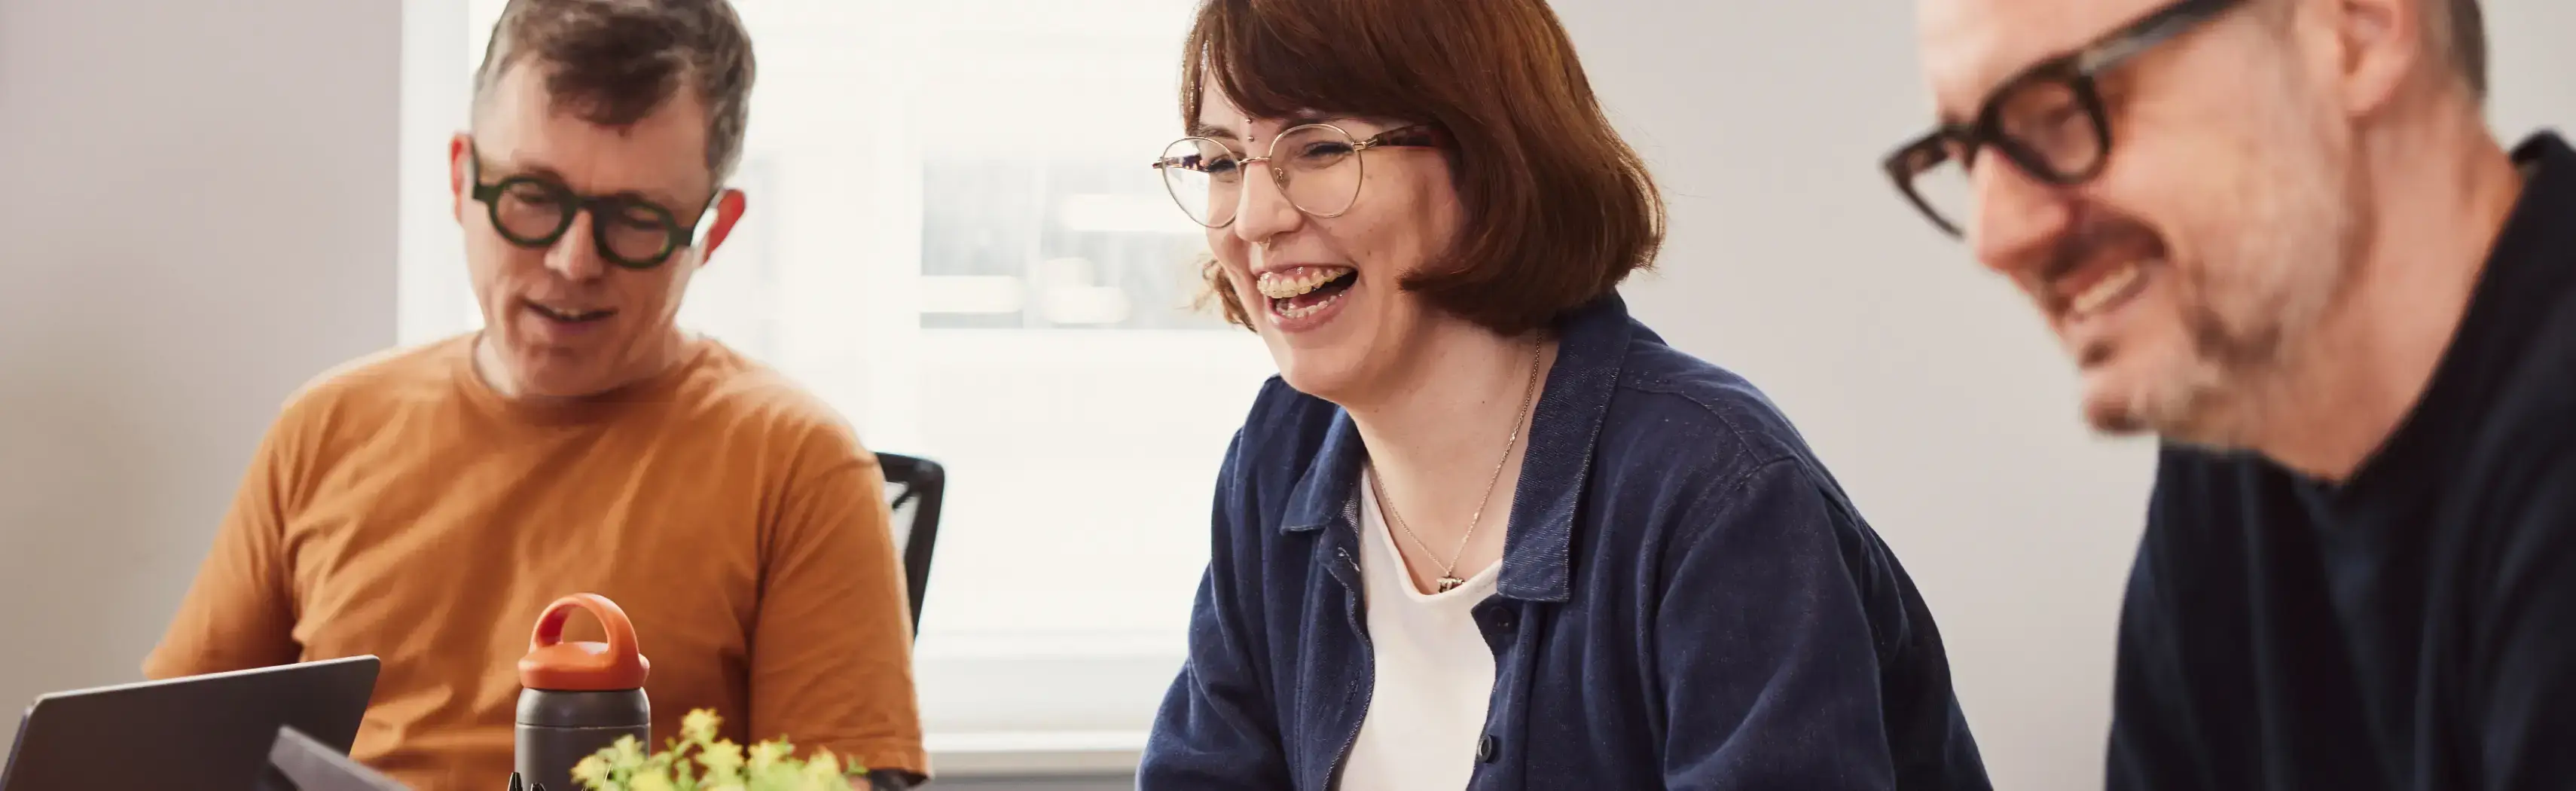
954,239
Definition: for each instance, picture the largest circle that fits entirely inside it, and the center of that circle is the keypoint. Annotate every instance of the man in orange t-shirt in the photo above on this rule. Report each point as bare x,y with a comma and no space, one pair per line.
425,505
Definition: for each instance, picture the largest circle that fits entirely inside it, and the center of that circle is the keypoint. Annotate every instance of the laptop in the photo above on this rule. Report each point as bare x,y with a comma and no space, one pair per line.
211,732
302,763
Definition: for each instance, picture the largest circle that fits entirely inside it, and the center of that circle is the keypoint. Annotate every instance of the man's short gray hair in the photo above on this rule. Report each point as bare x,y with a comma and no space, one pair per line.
614,62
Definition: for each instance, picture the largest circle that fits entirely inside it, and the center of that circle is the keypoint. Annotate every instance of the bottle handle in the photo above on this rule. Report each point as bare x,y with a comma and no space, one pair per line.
612,619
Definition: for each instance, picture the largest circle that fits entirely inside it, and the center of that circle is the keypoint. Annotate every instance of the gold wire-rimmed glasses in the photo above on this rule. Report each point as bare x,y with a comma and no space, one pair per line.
1317,166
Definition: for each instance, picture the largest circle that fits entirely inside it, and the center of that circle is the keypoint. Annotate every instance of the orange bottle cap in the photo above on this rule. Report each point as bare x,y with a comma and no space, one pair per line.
552,664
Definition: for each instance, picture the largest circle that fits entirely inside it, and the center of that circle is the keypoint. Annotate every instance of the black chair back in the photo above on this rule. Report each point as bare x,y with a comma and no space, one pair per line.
916,486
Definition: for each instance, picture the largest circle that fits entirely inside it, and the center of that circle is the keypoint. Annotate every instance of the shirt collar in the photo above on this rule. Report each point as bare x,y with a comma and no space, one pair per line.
1538,549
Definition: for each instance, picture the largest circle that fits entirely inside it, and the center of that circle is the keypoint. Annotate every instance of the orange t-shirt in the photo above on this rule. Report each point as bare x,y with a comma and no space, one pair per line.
402,508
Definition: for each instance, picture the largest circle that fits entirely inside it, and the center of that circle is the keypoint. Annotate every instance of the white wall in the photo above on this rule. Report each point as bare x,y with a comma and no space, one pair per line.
201,214
198,216
1929,387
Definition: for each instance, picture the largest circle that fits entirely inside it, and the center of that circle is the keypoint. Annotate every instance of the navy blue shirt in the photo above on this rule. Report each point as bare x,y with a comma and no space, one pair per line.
2410,629
1686,601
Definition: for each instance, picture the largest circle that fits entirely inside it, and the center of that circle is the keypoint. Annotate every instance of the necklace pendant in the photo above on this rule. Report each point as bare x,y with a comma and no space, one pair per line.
1448,583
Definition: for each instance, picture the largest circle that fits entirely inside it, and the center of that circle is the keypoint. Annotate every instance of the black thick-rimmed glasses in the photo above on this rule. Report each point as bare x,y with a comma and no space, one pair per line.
2048,120
630,231
1318,166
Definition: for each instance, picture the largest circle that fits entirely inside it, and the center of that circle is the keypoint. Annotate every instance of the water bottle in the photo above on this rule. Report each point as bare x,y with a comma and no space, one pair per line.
576,698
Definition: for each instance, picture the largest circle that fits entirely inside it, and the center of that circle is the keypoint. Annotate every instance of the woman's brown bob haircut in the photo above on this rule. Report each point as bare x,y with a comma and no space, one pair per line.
1557,209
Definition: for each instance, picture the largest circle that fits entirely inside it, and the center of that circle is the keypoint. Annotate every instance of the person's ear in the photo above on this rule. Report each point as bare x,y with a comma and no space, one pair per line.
460,168
729,208
2379,45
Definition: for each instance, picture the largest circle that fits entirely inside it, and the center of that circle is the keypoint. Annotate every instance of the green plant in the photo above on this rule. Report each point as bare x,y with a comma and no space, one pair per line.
698,761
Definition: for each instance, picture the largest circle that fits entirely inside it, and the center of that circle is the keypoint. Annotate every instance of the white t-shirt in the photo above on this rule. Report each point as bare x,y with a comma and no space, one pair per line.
1435,676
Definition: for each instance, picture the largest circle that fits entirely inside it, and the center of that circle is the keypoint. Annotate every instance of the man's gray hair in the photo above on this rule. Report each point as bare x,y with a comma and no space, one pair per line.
613,62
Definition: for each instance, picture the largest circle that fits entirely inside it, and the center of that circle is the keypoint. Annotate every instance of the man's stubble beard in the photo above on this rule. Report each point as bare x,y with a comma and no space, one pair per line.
2250,310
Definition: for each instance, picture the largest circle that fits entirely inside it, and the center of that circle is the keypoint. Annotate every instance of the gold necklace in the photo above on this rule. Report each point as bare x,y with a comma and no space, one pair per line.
1449,580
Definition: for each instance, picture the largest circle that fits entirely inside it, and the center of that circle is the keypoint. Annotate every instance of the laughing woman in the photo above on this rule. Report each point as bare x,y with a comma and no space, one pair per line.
1485,530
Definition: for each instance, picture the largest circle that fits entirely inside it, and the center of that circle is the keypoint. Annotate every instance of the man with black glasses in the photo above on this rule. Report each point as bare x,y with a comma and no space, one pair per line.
426,505
2278,235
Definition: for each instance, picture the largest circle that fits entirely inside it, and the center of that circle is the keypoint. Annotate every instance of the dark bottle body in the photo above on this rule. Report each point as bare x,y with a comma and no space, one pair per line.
559,728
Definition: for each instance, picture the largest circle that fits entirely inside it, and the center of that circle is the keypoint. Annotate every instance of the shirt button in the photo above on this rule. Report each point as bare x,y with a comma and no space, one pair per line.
1487,748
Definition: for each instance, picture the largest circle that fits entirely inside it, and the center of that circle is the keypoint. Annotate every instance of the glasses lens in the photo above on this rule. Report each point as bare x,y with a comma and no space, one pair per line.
531,212
1205,178
1322,166
2051,121
635,233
